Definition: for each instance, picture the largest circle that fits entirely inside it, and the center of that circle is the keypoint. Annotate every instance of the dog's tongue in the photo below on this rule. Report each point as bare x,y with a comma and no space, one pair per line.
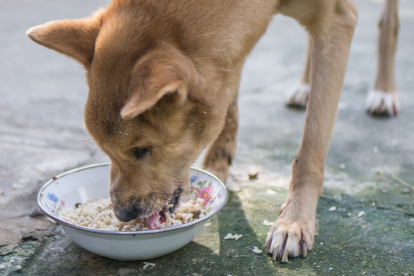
152,219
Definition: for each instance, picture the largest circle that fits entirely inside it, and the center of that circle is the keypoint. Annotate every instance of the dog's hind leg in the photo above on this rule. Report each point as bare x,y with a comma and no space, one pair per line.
220,154
331,25
299,94
383,99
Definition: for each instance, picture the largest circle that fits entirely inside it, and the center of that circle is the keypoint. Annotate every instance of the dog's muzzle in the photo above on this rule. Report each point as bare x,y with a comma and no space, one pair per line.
136,211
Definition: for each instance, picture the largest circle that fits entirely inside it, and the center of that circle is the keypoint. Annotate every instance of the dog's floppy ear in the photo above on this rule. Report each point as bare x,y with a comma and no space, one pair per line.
73,38
154,77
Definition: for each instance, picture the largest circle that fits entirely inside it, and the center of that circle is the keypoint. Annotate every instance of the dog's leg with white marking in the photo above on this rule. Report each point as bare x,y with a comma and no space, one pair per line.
331,26
298,96
383,99
220,154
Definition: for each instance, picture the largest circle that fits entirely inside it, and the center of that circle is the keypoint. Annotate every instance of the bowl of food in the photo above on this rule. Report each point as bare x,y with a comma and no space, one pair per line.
79,201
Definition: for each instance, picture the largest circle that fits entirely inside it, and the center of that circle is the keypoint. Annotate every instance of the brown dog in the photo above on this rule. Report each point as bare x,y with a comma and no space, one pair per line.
163,79
383,99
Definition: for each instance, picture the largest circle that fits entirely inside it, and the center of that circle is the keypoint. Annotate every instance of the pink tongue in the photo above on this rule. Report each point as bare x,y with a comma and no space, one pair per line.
152,219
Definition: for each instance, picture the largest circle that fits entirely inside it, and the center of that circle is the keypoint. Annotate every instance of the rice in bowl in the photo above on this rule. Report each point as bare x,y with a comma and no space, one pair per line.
98,214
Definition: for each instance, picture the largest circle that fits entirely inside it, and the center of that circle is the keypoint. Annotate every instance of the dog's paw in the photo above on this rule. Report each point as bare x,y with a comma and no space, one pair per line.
298,96
222,173
290,236
232,186
219,169
381,103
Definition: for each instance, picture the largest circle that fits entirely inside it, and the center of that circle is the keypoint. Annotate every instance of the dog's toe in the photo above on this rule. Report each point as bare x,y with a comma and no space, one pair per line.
289,240
298,96
381,103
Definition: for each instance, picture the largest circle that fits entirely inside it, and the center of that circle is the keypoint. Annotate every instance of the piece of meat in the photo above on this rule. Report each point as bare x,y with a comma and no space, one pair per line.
196,214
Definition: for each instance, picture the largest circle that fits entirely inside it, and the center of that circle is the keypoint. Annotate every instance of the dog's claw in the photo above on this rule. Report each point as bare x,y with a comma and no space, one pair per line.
382,103
284,257
304,246
289,239
274,256
268,244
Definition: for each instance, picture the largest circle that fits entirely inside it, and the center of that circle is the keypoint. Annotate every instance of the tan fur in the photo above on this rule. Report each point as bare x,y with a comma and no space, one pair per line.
164,77
74,38
387,42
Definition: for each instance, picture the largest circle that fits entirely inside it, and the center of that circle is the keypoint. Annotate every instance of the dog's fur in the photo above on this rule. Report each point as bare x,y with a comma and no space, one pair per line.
383,98
163,79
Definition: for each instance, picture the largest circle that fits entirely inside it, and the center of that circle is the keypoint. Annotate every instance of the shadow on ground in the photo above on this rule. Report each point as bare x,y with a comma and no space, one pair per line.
229,257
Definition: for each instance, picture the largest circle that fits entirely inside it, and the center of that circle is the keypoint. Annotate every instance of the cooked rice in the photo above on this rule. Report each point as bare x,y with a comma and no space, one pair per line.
98,214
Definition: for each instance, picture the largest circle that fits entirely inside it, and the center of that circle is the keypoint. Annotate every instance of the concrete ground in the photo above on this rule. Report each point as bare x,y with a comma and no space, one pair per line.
42,96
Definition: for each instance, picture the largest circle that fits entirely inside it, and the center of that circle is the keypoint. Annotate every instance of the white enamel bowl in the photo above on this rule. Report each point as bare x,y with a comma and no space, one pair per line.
92,182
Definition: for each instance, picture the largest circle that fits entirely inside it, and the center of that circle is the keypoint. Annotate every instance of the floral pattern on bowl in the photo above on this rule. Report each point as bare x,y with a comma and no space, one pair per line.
53,204
202,189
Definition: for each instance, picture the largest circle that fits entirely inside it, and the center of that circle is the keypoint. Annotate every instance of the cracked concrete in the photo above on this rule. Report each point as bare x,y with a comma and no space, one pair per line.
42,96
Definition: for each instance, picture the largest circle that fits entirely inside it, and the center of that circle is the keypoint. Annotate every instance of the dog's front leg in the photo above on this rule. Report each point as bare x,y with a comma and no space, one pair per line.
293,232
220,154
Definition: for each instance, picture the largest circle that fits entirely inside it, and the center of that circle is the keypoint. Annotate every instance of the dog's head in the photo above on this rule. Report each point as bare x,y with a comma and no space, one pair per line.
149,107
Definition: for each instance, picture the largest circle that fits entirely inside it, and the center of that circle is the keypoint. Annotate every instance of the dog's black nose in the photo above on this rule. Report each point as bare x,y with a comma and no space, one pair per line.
125,215
128,214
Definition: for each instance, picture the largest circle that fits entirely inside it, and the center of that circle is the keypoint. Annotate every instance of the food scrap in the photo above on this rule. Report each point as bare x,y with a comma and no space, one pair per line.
253,174
257,250
147,265
232,237
404,191
271,192
268,223
379,173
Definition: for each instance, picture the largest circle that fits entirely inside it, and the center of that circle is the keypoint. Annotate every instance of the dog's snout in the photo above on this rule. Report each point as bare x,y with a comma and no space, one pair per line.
139,211
128,206
125,215
130,212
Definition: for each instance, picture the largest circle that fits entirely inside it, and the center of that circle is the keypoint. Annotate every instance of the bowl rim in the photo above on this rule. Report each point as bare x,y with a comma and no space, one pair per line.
141,232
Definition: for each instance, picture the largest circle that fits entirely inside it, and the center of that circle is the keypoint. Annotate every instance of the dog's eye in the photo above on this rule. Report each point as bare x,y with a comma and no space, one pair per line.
141,152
